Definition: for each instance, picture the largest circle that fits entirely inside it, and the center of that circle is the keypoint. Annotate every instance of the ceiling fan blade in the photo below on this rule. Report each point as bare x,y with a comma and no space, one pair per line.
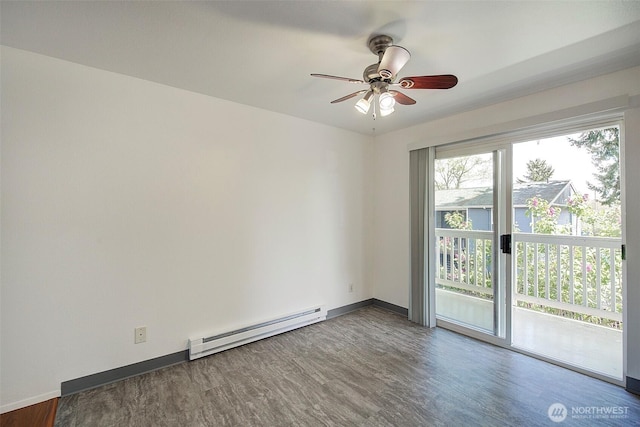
394,58
444,81
401,98
345,79
351,95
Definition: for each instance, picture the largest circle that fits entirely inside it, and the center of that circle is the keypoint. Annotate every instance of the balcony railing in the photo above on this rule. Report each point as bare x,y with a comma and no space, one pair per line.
464,258
575,274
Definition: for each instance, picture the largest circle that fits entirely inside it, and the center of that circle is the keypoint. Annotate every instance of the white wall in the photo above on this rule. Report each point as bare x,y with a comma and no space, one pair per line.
391,177
127,203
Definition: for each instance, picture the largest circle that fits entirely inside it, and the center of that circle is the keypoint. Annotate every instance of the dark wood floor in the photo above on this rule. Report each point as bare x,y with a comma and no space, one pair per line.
38,415
366,368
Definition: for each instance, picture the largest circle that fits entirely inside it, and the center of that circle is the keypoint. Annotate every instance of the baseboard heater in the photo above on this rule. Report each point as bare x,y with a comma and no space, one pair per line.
200,347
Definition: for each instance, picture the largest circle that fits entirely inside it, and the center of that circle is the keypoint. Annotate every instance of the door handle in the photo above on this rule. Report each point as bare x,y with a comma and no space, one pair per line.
505,243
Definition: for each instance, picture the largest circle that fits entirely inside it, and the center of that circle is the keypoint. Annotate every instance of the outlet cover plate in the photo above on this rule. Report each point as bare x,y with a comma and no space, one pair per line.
140,335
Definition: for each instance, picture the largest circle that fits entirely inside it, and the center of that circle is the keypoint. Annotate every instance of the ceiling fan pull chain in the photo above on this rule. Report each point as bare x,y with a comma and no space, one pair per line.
375,104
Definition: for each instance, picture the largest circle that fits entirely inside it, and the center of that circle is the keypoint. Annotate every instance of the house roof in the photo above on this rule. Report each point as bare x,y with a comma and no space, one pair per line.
482,197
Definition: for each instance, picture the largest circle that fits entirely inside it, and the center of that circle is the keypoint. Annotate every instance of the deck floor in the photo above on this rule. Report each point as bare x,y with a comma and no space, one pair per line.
588,346
584,345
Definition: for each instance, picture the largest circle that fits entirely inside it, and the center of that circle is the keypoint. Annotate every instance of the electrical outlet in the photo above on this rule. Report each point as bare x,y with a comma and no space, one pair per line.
350,287
140,335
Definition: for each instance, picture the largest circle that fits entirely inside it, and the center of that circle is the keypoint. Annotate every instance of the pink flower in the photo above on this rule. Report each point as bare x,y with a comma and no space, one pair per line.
552,211
585,196
589,268
534,202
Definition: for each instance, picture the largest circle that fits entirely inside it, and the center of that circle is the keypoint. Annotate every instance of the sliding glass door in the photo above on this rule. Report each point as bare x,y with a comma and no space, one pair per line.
468,281
567,286
527,250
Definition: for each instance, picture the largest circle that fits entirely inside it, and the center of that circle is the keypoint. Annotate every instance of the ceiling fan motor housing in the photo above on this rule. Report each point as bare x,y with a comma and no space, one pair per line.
390,58
378,44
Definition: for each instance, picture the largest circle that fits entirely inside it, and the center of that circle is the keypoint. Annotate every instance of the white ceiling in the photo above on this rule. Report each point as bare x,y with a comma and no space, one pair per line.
260,53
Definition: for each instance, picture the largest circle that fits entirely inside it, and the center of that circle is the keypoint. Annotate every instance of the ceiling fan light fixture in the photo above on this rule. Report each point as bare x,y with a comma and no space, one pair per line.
394,58
386,101
364,104
386,111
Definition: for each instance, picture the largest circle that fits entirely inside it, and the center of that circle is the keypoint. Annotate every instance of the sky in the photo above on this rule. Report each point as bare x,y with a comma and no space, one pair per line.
569,163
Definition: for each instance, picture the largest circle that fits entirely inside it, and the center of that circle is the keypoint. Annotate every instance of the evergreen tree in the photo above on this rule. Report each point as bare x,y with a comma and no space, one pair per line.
604,147
538,170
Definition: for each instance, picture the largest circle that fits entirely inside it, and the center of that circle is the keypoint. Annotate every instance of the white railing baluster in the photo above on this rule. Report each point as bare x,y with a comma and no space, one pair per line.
517,272
451,275
439,260
464,270
487,272
483,260
558,273
598,279
584,276
535,269
476,266
467,261
525,272
456,260
612,280
460,265
456,265
572,282
547,279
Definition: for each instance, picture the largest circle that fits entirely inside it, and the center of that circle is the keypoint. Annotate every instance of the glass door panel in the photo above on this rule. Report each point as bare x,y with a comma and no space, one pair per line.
465,241
567,272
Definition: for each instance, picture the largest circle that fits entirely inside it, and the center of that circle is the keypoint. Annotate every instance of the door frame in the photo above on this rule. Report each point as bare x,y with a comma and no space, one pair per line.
504,188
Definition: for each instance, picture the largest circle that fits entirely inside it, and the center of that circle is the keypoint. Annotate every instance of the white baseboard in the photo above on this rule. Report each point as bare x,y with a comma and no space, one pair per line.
28,402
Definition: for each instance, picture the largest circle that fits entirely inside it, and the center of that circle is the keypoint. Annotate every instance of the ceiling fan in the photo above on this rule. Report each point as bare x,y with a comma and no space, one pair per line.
381,79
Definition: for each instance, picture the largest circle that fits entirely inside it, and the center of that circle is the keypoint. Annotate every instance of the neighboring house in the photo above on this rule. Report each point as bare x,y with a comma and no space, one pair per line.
475,204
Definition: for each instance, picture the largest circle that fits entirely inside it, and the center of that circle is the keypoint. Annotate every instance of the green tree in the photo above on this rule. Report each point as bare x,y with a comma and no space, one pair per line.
604,147
538,170
596,220
457,221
